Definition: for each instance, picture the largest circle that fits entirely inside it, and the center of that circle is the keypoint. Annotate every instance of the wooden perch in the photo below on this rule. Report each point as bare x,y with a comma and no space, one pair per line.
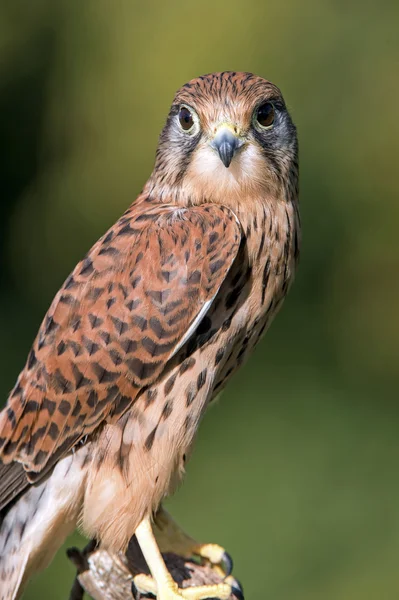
106,576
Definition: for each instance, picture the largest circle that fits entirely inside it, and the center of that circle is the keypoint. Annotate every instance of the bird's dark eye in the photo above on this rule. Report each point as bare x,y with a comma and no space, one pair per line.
185,118
265,115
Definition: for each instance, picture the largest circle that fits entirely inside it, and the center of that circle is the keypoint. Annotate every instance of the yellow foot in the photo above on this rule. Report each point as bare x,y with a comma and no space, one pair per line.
171,538
161,584
144,586
216,555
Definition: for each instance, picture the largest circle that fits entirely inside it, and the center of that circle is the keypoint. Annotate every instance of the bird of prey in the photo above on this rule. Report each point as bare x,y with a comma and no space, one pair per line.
146,332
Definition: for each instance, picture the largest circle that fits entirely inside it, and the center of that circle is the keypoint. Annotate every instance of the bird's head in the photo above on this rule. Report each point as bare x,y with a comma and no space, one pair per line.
227,135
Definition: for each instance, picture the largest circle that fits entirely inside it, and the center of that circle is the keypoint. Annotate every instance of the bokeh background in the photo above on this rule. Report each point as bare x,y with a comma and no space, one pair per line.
296,469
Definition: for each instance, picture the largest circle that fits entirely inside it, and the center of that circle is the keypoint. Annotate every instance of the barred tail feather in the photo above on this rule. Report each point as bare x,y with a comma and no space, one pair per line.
12,570
36,525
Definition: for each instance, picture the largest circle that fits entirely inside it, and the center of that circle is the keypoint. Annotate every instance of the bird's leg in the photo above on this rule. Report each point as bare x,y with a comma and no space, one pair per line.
161,583
172,538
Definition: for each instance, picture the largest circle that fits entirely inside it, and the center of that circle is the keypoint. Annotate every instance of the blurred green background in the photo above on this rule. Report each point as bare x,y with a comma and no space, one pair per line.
296,469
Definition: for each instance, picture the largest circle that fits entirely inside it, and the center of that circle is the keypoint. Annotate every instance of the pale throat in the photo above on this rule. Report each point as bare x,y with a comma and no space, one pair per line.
208,180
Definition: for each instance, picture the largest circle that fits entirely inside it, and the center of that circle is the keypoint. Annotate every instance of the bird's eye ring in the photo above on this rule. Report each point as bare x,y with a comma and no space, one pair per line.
265,115
186,118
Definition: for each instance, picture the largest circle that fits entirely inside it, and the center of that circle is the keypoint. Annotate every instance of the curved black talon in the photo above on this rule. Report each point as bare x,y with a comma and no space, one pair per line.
137,595
227,563
135,592
237,591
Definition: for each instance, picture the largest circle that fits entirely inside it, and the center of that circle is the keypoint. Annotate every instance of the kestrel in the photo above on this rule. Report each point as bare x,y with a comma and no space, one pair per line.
146,332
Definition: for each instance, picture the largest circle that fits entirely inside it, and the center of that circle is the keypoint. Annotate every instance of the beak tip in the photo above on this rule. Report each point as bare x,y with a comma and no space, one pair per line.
226,153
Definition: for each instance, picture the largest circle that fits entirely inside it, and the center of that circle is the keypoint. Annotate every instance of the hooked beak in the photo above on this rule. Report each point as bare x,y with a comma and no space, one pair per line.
226,142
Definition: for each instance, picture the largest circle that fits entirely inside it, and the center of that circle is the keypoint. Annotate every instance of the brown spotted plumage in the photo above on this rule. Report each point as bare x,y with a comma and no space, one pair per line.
150,325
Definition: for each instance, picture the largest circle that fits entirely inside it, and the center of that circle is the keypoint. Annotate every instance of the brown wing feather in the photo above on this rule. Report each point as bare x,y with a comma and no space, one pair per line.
13,481
113,326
